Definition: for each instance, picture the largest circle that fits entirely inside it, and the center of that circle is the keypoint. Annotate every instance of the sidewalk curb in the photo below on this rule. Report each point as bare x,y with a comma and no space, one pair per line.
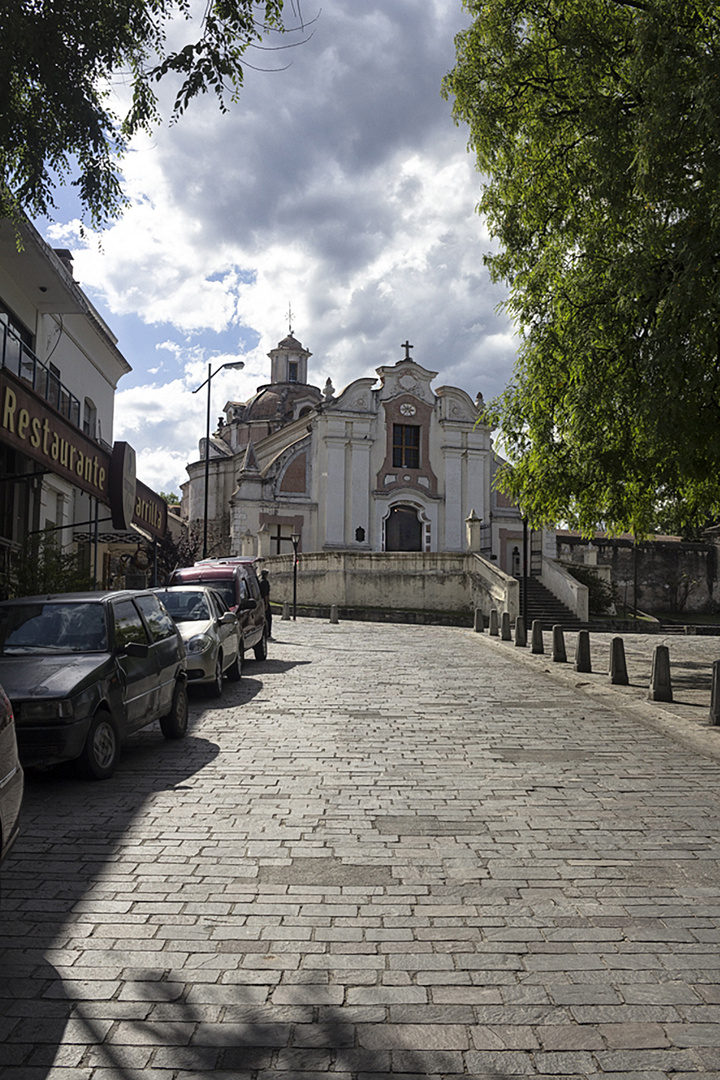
705,741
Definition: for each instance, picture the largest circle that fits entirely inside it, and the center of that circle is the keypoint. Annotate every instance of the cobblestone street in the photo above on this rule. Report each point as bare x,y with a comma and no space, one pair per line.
390,851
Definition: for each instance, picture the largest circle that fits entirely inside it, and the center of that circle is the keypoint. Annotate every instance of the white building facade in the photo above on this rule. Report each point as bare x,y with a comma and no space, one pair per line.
59,368
389,464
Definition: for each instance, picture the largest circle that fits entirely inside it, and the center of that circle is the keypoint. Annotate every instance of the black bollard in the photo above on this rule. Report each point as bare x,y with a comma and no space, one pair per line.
618,667
520,635
334,613
479,624
660,683
505,627
715,694
494,623
558,654
536,645
582,651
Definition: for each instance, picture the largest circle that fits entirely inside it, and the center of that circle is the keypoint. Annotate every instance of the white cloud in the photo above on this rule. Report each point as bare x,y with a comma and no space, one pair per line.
340,186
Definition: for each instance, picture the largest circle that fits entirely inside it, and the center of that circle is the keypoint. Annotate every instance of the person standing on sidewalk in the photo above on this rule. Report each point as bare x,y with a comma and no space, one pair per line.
265,593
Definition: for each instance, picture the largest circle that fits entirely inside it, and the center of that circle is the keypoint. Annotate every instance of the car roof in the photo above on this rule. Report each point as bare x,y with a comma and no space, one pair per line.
211,573
190,586
229,560
79,597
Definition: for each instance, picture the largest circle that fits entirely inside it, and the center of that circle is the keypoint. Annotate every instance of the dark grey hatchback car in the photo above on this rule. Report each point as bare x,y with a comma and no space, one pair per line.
85,670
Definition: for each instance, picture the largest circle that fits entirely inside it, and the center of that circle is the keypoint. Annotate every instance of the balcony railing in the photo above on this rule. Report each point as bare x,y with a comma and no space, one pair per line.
22,361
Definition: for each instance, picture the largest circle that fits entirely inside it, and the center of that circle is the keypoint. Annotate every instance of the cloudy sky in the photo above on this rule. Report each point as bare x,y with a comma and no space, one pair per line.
339,186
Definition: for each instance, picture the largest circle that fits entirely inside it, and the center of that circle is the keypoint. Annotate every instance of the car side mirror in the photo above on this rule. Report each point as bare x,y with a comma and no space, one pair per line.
136,648
227,618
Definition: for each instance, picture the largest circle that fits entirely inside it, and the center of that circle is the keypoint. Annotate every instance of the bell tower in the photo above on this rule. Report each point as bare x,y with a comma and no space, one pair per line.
288,362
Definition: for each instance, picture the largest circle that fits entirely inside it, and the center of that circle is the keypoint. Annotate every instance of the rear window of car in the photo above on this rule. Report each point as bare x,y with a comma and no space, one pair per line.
159,622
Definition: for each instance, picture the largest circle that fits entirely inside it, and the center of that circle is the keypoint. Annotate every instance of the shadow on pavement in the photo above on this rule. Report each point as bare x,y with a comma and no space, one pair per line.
71,831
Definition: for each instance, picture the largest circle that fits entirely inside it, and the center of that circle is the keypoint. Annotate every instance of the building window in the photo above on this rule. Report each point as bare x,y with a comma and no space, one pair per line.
406,446
292,371
90,418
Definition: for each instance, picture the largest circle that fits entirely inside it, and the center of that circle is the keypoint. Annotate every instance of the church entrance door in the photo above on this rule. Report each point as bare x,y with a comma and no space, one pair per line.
403,530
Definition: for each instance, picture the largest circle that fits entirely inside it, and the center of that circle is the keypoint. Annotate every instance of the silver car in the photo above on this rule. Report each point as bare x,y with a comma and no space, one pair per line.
210,632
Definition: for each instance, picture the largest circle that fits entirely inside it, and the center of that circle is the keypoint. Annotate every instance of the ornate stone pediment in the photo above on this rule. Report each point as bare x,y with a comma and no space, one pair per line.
406,377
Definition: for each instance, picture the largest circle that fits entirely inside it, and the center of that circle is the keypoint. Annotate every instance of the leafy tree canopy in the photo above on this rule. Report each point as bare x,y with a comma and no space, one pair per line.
58,60
597,124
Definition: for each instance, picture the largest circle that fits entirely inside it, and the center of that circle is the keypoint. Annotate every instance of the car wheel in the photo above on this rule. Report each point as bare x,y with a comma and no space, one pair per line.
101,752
260,649
234,672
215,689
175,724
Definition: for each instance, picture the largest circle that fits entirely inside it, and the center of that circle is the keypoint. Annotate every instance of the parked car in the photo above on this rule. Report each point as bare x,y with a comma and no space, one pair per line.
11,778
84,670
237,583
210,631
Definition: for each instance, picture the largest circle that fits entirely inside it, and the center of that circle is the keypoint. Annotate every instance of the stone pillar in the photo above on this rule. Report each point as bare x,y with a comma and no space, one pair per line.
715,694
505,626
558,648
452,525
520,635
582,651
660,683
494,623
473,532
537,638
618,666
479,624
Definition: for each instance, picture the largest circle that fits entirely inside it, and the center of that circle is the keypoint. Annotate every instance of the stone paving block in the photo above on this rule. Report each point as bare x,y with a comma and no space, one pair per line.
701,1035
428,1062
556,1037
413,1037
489,1063
628,1060
308,994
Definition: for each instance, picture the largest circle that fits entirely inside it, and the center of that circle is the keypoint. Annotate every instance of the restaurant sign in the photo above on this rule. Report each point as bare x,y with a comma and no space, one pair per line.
31,426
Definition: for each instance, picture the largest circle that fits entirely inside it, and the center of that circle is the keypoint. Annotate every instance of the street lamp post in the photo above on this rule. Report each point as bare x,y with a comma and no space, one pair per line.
295,540
236,365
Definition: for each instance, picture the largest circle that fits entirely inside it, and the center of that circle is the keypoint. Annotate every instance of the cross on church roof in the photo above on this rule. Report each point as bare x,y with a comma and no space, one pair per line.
407,347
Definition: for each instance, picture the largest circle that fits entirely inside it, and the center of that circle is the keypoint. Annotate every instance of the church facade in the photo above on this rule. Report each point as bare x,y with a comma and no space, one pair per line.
388,464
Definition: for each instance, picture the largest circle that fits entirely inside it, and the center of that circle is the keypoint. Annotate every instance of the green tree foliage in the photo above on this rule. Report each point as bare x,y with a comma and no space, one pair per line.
44,566
601,594
172,554
59,60
597,124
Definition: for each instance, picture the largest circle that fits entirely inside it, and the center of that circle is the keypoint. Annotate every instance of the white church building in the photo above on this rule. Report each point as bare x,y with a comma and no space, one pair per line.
388,464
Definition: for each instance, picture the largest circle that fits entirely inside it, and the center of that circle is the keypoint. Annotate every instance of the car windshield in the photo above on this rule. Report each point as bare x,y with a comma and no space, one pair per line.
52,628
185,606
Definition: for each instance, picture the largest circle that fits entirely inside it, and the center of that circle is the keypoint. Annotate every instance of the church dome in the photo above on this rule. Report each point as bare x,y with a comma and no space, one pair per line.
264,406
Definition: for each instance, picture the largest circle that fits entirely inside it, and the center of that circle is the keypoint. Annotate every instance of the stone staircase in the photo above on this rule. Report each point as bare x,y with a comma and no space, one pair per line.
545,606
